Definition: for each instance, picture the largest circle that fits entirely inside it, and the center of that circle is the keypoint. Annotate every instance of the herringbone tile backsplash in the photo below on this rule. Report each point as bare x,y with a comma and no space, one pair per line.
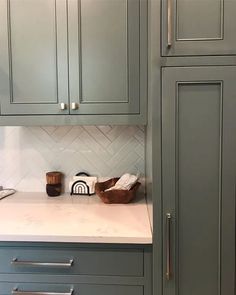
27,153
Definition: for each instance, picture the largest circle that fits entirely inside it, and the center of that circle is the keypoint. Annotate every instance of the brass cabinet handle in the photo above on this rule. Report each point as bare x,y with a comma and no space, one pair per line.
169,23
17,262
17,292
168,246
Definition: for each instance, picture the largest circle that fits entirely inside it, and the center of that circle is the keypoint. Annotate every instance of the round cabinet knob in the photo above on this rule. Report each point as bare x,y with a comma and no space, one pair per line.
74,106
63,106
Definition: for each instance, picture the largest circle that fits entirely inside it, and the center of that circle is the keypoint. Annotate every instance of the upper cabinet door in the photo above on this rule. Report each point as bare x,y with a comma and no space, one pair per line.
193,27
33,57
105,55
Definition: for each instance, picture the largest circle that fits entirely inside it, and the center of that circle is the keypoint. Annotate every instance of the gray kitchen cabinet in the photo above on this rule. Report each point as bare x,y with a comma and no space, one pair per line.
69,268
198,171
90,55
198,27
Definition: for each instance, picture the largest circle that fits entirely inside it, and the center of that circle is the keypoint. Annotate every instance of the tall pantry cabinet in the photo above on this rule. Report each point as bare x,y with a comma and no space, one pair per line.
192,78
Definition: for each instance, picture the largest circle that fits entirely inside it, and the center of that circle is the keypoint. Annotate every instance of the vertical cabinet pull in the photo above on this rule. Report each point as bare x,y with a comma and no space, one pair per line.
169,23
17,292
168,246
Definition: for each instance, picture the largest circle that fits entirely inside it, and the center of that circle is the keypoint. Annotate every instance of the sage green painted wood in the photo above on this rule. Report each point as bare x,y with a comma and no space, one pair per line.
81,289
143,61
72,279
198,144
106,55
45,120
153,159
198,61
102,262
199,27
66,245
33,61
148,273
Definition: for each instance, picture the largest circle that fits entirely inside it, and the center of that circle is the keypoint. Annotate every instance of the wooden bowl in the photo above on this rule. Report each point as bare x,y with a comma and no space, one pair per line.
115,196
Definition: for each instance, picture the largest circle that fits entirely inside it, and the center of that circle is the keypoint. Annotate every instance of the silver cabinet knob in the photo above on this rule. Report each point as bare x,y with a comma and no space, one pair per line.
74,106
63,106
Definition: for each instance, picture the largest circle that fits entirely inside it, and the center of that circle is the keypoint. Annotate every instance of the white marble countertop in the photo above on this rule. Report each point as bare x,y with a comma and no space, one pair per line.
80,219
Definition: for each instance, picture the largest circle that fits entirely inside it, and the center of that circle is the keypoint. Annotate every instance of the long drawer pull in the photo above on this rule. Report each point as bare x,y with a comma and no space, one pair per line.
17,262
17,292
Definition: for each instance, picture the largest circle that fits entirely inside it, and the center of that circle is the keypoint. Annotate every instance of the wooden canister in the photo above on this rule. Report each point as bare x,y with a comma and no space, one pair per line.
53,186
53,177
53,190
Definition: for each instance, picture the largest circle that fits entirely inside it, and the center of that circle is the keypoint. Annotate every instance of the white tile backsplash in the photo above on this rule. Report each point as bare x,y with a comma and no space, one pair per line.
27,153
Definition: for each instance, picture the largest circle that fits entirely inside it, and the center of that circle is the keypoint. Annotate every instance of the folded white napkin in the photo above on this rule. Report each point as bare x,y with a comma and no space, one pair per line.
125,182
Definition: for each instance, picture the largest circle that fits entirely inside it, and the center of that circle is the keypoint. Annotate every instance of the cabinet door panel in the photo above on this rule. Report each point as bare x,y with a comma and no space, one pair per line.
199,20
199,27
104,50
198,172
199,125
33,56
104,64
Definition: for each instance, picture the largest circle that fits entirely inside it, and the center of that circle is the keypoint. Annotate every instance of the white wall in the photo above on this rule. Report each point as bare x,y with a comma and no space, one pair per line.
27,153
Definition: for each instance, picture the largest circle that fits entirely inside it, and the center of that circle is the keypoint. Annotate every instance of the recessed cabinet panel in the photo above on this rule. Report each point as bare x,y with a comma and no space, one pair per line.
192,27
198,27
104,51
199,190
198,144
32,49
33,56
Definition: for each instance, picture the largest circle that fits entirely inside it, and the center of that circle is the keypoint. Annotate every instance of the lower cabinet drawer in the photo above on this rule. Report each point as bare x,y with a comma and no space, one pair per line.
77,261
67,289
